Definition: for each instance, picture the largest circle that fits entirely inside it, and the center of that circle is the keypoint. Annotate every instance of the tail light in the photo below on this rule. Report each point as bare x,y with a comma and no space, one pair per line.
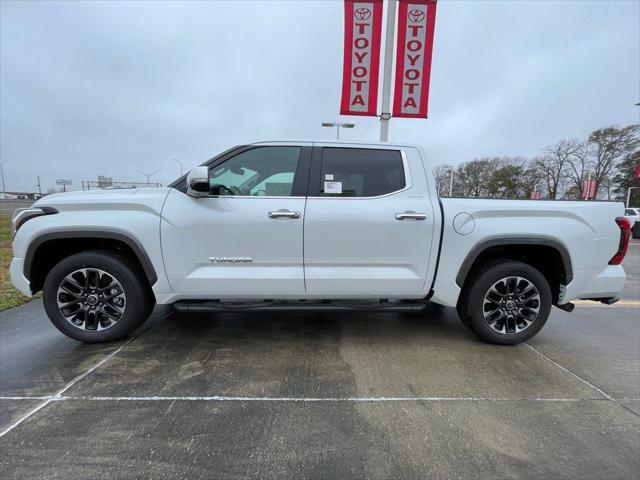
625,233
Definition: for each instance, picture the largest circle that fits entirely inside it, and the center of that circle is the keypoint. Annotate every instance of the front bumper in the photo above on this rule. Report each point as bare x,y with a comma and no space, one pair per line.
16,270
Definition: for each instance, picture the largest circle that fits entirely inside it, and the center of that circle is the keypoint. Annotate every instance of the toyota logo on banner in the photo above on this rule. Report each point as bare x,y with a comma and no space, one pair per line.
416,16
362,13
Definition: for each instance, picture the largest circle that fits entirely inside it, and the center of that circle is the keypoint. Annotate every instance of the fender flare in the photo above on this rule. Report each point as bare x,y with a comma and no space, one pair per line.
480,247
105,234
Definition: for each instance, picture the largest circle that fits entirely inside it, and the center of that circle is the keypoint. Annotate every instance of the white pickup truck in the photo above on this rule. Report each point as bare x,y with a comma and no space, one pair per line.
280,226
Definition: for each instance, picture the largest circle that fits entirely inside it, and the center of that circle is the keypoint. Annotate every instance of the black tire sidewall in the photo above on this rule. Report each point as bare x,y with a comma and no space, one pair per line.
483,280
136,310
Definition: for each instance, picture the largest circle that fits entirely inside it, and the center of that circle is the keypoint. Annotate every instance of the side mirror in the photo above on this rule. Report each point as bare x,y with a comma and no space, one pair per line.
198,182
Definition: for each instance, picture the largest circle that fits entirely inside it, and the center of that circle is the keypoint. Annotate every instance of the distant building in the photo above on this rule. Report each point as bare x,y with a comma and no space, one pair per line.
22,195
104,182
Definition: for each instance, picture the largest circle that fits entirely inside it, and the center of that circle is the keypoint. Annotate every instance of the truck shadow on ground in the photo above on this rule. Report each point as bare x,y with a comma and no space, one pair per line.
435,322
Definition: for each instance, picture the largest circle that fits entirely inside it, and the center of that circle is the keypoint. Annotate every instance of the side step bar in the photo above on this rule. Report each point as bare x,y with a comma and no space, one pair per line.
300,306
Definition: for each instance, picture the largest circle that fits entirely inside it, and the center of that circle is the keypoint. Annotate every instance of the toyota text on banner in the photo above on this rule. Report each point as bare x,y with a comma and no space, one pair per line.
363,28
416,21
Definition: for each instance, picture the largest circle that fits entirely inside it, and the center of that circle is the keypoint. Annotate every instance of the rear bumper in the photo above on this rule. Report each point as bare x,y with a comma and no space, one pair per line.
608,283
18,279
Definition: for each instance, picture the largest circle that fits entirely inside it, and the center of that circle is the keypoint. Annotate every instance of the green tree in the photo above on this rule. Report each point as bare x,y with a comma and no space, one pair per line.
608,146
624,179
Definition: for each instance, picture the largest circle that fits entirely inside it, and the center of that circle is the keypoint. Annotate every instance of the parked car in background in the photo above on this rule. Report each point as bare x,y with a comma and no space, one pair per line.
323,226
633,215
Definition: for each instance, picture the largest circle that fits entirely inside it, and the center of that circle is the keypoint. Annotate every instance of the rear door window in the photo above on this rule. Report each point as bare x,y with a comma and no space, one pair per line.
359,172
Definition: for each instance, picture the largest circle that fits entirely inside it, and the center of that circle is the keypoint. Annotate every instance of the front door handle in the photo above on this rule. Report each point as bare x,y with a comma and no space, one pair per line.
413,215
284,213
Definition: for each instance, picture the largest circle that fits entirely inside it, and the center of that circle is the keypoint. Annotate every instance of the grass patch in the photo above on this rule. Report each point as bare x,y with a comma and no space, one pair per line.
9,296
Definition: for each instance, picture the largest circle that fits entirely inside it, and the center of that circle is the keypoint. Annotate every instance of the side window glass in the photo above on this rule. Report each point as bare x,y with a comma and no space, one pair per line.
261,171
358,172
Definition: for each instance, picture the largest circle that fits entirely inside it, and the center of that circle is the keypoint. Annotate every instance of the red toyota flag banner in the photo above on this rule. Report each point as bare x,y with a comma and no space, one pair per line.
362,31
416,22
589,189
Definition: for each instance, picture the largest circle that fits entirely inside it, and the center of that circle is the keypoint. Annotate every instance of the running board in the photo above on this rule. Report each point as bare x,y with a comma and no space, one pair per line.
299,306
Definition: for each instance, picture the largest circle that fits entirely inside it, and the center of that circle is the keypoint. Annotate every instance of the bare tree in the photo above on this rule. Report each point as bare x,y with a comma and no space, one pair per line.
579,167
553,164
442,174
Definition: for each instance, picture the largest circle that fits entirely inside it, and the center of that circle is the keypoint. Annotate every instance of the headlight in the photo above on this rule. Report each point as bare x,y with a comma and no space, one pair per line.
21,215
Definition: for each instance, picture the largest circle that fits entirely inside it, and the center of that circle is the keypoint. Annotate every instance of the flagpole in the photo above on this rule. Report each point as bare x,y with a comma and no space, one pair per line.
386,75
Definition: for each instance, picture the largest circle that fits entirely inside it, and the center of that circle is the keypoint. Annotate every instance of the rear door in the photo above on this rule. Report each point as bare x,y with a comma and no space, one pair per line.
245,239
368,223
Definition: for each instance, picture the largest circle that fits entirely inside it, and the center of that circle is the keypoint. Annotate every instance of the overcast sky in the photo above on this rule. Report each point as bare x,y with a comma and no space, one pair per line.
93,88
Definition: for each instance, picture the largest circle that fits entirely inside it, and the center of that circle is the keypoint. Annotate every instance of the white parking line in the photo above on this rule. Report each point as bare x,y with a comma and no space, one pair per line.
606,395
618,304
58,395
218,398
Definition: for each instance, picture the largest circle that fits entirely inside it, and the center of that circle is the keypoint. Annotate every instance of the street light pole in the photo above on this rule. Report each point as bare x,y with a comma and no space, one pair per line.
338,125
148,175
451,183
180,163
4,190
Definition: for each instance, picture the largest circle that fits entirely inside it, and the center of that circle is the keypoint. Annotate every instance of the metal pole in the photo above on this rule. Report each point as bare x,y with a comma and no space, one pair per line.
386,77
629,195
39,187
179,163
451,184
4,190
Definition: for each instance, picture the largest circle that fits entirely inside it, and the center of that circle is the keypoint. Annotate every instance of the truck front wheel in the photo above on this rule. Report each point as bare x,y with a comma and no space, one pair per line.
96,296
505,302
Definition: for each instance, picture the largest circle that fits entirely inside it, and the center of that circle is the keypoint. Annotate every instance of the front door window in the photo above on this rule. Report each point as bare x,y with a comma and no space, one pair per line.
263,171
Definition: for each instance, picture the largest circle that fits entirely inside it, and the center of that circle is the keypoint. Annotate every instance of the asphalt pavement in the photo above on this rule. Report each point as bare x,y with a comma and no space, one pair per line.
324,396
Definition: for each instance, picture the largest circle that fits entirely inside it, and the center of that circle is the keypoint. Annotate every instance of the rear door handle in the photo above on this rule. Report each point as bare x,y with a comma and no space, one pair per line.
284,213
413,215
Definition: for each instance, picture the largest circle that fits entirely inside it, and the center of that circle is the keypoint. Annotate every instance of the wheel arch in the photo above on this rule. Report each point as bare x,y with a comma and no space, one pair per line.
47,249
546,254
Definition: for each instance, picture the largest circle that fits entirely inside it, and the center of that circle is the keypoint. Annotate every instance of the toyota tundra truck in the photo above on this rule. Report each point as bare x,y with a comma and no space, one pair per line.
314,226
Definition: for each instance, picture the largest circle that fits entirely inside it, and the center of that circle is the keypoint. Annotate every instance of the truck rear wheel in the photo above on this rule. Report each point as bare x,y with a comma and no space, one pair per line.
505,302
96,296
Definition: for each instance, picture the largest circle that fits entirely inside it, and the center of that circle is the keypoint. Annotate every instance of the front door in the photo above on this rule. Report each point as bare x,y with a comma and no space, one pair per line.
368,224
246,239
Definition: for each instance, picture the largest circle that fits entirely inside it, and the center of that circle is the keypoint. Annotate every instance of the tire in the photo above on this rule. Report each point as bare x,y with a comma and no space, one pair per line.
518,318
635,230
98,313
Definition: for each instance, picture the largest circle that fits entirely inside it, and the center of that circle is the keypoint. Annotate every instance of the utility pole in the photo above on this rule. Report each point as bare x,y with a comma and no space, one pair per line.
385,116
39,187
450,180
629,195
148,175
180,163
451,183
338,125
4,190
